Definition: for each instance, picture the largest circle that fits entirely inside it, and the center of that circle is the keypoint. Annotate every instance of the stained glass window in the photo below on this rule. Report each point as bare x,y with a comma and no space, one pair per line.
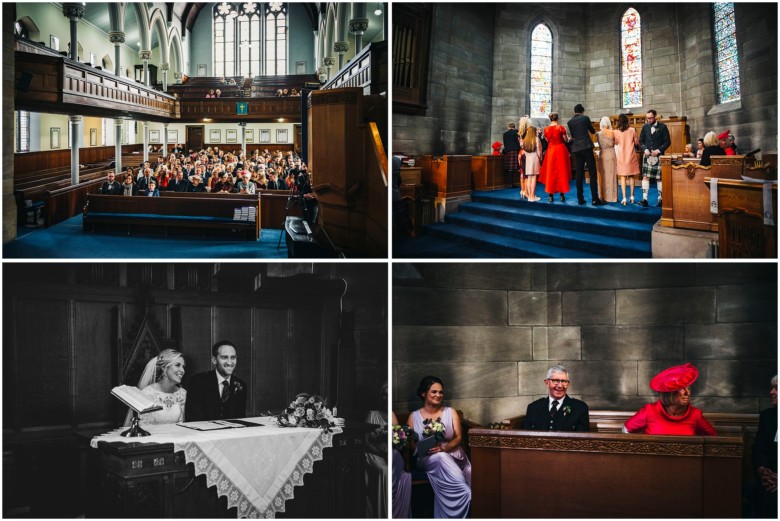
239,38
541,70
726,59
631,58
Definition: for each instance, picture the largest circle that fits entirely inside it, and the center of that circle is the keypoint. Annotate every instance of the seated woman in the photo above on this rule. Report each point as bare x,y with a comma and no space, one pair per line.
161,381
129,187
711,148
195,184
673,413
446,463
211,94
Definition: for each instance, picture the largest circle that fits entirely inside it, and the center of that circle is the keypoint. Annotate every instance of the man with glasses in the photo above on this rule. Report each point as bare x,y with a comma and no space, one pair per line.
557,411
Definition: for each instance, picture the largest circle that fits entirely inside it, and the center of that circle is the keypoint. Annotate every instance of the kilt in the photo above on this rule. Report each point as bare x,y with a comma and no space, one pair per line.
651,171
511,164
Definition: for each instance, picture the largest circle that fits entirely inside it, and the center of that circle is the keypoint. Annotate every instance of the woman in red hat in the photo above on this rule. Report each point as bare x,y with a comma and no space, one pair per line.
673,413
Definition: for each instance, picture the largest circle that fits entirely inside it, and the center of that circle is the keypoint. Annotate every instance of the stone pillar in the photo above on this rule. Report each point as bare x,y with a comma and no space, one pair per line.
118,145
341,48
164,69
117,38
75,145
73,12
177,76
329,61
358,26
145,56
145,126
165,141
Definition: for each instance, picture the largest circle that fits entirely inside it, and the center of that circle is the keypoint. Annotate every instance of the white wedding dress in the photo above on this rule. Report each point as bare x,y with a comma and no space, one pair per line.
173,406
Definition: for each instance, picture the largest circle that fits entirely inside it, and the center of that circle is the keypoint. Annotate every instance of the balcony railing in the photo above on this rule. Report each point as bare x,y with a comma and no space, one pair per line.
367,70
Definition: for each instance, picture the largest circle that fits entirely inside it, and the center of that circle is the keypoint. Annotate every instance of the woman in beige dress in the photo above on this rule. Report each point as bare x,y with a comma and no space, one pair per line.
608,172
627,164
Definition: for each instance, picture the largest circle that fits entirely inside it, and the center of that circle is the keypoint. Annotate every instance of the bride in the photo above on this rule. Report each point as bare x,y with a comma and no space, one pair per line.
161,381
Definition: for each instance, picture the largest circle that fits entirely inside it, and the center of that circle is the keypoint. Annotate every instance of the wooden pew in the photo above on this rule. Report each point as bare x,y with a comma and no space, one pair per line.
169,214
64,203
523,474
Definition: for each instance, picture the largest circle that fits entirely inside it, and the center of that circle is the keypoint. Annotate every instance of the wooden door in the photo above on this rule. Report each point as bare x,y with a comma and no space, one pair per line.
194,137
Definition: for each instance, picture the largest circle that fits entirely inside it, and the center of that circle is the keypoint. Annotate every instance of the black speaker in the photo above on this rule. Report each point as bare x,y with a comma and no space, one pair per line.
304,245
24,81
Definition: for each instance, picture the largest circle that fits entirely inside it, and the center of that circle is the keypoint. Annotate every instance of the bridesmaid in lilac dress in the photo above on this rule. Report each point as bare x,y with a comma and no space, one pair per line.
402,485
447,465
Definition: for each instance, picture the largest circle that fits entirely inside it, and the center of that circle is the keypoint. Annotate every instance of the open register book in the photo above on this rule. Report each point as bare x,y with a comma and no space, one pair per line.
135,399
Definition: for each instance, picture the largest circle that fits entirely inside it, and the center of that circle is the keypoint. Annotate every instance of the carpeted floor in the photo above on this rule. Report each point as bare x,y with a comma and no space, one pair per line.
67,241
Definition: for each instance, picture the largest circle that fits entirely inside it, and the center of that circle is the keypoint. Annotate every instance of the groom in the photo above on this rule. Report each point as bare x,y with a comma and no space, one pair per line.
217,394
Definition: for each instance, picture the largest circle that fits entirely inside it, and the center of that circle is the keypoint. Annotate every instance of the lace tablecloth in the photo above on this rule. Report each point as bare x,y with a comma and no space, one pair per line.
256,468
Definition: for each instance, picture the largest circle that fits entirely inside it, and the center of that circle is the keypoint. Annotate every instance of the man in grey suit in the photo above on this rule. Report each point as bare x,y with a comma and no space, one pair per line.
582,148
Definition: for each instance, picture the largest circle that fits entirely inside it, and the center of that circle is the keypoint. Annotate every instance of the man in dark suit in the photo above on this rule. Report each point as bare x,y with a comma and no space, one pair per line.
511,152
217,394
580,129
111,187
654,140
178,183
557,411
765,459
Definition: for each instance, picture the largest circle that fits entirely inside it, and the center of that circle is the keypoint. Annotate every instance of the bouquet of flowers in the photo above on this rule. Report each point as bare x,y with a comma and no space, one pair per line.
401,435
306,411
433,428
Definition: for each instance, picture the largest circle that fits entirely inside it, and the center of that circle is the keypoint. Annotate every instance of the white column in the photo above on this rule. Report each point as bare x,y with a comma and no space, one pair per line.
73,12
117,38
329,62
146,140
358,26
341,48
165,141
75,132
118,145
243,138
145,56
164,69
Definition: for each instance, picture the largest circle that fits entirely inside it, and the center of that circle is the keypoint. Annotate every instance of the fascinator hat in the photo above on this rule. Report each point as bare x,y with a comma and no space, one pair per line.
674,378
723,135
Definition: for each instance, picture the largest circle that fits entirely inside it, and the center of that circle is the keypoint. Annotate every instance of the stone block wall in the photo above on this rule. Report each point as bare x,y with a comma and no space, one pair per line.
490,331
9,203
460,84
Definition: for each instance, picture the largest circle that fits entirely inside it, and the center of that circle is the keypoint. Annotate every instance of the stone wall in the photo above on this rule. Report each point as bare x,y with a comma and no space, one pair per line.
490,331
460,83
9,203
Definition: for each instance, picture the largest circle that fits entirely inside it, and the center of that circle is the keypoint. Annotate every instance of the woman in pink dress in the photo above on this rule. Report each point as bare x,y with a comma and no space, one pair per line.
532,148
627,164
556,169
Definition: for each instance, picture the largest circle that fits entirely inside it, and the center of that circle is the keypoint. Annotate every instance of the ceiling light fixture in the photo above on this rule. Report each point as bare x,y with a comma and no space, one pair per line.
378,10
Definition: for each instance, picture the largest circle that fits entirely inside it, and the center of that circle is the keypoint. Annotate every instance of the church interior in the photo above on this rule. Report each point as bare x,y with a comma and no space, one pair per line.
92,88
465,71
316,328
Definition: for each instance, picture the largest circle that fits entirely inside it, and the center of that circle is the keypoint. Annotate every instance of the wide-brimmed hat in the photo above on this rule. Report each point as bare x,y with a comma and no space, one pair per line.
674,378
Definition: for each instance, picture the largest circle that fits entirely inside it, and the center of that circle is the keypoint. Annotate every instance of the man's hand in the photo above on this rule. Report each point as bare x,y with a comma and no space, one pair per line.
768,479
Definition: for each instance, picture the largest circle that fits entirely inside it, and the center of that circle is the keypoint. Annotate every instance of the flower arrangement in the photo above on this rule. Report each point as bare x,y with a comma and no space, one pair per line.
433,428
306,411
401,435
566,410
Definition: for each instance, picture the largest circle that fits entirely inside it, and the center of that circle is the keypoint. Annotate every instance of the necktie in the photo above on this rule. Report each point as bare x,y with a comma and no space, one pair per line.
554,408
225,392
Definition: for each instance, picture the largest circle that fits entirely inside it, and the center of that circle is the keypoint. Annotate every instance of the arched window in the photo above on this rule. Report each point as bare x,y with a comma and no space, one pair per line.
726,59
541,70
631,58
276,38
22,131
240,35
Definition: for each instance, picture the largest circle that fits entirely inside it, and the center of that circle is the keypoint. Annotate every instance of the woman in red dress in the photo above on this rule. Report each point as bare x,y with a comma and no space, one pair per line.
556,168
673,414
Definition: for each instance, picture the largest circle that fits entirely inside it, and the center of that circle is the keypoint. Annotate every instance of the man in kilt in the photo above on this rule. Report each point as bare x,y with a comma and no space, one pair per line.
511,152
654,140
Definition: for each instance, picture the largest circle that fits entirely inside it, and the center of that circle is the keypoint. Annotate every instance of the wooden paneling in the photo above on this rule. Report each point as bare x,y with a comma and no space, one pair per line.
488,172
93,361
36,161
272,352
258,109
367,70
306,352
43,378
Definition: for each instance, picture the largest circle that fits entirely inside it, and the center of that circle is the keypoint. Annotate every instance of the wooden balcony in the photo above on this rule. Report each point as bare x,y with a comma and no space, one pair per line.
51,83
367,70
226,109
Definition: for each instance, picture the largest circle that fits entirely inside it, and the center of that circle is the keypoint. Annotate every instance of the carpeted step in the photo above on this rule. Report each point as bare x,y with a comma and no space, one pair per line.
502,245
539,215
573,238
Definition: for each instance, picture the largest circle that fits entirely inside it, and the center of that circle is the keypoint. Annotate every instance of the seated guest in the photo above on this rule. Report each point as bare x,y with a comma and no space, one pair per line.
217,93
673,413
211,94
765,458
731,147
129,187
699,146
163,177
110,187
446,463
723,139
143,183
688,151
294,92
557,411
278,93
245,185
195,184
179,184
152,190
711,148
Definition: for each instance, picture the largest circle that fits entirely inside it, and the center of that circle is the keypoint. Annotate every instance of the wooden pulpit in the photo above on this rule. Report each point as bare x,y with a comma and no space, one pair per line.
488,173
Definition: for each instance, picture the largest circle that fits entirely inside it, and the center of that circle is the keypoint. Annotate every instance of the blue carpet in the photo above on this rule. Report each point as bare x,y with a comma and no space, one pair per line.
67,241
497,224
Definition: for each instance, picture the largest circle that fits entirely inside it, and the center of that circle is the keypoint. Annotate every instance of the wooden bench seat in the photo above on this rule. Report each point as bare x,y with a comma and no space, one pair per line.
170,214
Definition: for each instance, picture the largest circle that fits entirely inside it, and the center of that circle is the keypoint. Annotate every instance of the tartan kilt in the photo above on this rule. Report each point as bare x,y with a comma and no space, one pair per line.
511,164
651,171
